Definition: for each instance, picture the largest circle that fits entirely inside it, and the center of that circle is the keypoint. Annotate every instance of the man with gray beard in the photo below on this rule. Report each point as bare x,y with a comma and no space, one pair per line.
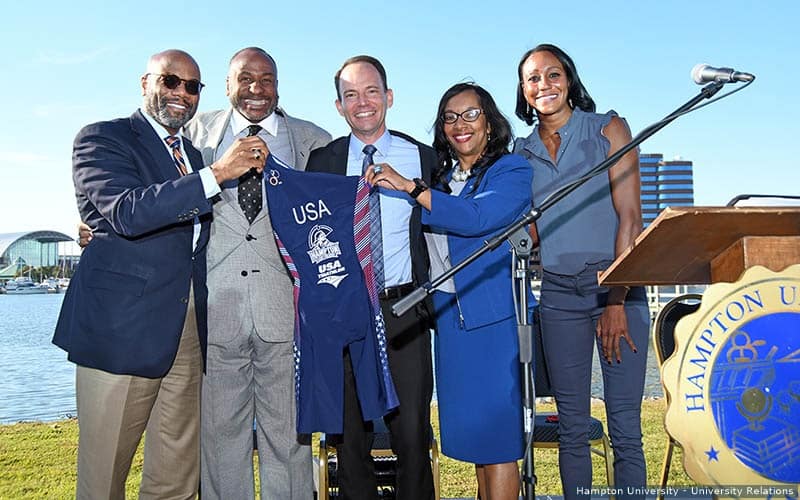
134,316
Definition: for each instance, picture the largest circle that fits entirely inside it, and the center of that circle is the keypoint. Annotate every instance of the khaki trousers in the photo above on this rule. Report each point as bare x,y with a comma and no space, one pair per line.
115,410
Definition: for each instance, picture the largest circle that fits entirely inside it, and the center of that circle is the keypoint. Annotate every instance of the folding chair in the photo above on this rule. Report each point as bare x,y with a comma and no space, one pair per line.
383,458
664,342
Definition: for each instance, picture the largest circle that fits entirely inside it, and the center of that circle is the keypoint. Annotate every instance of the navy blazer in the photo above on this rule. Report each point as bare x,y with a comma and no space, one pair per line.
484,287
126,304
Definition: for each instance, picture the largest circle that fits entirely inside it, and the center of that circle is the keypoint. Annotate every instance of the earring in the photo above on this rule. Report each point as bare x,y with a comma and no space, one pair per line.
488,136
570,103
528,108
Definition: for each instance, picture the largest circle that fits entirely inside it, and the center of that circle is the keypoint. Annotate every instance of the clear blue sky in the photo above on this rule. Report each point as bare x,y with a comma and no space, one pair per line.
66,64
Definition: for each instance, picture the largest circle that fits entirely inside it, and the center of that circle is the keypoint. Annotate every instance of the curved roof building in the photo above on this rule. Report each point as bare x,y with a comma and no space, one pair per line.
34,248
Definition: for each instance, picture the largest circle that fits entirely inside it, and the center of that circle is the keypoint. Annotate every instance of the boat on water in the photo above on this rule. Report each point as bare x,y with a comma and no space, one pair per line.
63,284
25,286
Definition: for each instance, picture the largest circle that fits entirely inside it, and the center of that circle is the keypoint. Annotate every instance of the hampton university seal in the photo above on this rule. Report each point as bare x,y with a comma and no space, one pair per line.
733,384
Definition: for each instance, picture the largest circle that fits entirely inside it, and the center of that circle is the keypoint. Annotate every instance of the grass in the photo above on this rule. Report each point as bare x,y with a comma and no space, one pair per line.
37,460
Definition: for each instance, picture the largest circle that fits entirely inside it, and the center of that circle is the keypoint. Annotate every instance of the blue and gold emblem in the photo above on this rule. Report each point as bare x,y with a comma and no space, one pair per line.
733,383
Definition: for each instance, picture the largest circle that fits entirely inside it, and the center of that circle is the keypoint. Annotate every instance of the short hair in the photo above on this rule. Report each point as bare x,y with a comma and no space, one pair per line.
360,59
496,147
259,50
577,93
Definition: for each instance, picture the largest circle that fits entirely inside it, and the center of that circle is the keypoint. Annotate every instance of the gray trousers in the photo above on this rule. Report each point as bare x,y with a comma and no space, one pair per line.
249,378
569,308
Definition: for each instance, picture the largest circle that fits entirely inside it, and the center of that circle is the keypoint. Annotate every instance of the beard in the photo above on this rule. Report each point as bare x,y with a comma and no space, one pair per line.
156,106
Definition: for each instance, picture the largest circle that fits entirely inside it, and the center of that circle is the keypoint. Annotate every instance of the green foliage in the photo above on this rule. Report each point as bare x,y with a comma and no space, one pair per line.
37,460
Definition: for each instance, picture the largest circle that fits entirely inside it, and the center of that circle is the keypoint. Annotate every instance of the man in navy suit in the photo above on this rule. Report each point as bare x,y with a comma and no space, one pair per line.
134,317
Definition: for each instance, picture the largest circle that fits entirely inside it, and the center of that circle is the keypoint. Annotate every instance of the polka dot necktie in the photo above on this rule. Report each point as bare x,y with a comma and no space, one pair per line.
250,195
375,234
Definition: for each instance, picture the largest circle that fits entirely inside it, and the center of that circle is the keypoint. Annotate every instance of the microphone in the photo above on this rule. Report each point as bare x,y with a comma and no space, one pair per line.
703,73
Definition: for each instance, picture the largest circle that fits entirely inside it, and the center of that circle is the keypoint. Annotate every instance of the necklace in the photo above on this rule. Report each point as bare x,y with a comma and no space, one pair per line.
460,175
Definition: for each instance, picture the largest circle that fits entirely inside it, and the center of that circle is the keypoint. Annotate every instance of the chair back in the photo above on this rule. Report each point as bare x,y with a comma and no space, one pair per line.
760,200
667,319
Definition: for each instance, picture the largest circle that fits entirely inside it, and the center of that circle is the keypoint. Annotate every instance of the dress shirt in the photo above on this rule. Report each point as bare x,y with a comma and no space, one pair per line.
237,128
277,141
239,124
396,206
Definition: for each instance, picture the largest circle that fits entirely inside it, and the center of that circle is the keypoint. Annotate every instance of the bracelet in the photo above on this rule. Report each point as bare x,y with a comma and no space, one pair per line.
419,188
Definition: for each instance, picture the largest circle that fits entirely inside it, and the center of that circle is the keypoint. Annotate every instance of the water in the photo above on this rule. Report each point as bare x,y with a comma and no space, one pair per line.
38,382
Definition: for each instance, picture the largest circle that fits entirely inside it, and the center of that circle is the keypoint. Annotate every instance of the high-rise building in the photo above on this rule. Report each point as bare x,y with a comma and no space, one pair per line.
665,183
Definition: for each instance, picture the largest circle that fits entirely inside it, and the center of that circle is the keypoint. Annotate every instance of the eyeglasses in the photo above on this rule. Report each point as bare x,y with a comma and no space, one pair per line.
469,115
193,87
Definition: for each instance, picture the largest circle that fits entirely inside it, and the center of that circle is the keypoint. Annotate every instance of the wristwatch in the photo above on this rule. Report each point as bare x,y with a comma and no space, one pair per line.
419,188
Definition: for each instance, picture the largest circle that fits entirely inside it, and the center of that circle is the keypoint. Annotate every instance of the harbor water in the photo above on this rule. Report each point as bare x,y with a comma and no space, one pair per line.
38,383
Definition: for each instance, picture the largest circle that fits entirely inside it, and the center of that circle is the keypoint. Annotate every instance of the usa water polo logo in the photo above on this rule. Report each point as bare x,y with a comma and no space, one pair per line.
324,252
733,384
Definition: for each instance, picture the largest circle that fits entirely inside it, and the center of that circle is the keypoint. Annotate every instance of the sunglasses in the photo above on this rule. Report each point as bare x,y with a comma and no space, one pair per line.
193,87
469,115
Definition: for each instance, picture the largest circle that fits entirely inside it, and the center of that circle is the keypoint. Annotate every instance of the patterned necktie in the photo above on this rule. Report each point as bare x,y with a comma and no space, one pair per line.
250,196
174,142
375,234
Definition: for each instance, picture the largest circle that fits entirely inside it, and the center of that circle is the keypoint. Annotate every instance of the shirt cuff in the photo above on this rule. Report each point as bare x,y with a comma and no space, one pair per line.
210,186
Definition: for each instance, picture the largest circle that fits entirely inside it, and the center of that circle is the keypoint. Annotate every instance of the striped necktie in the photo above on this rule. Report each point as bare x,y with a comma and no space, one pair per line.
174,142
251,199
375,234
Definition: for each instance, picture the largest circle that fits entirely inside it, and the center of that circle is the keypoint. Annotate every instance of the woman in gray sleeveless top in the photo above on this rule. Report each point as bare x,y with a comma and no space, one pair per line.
578,236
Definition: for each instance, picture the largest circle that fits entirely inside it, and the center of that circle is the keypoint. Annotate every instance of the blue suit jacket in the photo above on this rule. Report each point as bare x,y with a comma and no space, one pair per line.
472,217
126,304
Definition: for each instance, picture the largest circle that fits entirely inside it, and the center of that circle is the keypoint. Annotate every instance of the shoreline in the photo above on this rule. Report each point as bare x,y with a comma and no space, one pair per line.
547,401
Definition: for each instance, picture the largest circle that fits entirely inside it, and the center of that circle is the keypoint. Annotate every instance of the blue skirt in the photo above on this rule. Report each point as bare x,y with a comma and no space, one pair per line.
478,387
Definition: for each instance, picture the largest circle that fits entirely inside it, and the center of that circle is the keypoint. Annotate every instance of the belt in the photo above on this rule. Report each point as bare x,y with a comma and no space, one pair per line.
396,292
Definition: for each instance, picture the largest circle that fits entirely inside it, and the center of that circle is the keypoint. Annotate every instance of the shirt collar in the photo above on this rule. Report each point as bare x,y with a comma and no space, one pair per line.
534,144
239,123
382,145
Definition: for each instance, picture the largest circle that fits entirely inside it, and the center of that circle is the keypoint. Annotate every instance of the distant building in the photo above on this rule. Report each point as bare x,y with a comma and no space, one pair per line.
35,249
665,183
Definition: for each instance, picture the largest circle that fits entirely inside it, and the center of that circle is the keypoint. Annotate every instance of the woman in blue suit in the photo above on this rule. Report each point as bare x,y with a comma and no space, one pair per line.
479,189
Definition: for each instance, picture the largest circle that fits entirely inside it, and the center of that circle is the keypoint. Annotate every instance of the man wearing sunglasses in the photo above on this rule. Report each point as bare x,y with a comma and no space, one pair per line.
250,370
134,316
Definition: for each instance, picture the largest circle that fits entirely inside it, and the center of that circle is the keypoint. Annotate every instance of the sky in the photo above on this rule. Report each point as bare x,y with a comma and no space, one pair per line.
67,64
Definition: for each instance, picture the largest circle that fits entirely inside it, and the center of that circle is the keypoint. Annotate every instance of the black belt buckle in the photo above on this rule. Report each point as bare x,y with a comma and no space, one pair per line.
396,292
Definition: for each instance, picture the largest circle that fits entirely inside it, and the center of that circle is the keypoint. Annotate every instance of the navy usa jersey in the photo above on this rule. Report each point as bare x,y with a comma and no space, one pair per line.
321,224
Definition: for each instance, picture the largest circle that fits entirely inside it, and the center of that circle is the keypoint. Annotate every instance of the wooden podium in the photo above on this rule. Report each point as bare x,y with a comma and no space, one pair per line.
703,245
739,352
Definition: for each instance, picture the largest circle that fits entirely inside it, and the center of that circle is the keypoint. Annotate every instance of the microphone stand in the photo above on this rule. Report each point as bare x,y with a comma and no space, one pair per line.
524,330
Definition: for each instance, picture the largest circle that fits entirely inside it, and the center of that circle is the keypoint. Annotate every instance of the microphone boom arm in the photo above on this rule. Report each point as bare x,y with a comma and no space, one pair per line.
403,305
